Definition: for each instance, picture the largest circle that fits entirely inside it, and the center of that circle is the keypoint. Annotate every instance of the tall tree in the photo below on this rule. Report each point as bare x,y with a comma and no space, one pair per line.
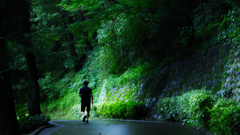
8,119
34,94
25,40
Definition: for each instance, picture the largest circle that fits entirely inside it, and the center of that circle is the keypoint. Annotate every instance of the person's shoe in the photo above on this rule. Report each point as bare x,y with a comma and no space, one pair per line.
86,121
84,117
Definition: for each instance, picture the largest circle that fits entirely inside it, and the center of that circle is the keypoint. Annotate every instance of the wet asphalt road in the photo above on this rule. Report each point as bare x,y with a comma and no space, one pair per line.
115,127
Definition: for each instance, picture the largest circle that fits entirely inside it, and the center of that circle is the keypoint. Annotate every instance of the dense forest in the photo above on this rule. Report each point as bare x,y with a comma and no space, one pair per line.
49,47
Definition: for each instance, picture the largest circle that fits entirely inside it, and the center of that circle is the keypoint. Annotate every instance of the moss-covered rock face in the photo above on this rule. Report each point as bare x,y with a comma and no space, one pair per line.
215,69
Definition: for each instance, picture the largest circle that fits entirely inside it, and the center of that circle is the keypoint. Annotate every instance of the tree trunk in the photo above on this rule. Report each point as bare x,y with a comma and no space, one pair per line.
34,94
8,119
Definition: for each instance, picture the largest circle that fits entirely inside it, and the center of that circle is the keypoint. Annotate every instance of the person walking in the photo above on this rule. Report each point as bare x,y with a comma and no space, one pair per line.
85,93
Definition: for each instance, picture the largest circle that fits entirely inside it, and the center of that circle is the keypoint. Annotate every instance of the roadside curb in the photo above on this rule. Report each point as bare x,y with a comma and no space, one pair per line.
38,130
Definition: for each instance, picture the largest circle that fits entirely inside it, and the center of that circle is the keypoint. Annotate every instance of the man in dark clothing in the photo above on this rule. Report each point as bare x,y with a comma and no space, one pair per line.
85,93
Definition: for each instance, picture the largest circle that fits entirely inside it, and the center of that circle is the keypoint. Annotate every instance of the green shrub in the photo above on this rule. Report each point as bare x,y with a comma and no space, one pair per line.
166,108
196,106
46,86
120,109
193,107
30,123
225,117
199,108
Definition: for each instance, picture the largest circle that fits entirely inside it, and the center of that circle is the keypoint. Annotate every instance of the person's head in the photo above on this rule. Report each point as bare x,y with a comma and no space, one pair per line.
85,83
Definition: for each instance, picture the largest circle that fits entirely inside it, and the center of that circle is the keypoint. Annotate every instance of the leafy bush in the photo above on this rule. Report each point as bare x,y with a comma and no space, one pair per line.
199,108
132,74
30,123
120,109
193,107
196,107
225,117
46,86
167,108
71,62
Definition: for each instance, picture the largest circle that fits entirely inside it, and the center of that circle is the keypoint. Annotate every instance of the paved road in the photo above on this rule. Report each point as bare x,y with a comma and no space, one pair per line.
114,127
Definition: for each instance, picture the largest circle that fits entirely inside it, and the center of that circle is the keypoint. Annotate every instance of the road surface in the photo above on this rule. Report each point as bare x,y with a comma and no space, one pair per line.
116,127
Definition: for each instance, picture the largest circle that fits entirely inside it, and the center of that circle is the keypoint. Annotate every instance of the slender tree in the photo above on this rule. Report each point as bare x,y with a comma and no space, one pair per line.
24,38
34,94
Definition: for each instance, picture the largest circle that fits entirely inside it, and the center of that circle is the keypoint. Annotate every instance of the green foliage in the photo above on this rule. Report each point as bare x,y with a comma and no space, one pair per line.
52,89
121,109
208,16
66,107
46,86
166,108
110,73
229,27
193,107
60,93
197,109
30,123
132,74
70,63
108,60
167,30
21,110
225,117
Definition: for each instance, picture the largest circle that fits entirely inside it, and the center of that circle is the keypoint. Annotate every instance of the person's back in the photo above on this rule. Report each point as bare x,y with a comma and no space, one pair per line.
85,93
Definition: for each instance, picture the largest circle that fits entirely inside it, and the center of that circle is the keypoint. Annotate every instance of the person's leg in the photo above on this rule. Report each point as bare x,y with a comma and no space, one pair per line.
87,115
82,111
88,110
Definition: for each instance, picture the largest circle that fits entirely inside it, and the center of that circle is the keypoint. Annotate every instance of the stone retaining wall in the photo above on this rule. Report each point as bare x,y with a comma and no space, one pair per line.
216,69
